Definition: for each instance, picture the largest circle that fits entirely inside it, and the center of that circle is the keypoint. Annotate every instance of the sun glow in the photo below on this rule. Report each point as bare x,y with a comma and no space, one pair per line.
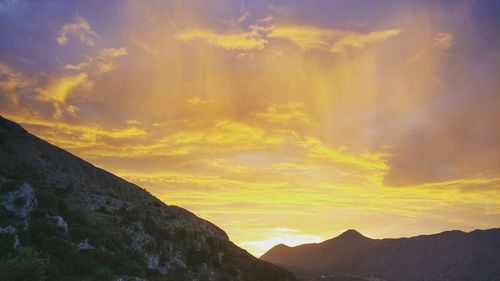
289,237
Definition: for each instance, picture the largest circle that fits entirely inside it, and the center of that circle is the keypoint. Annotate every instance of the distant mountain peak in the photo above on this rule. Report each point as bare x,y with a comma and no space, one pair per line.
351,233
449,255
280,247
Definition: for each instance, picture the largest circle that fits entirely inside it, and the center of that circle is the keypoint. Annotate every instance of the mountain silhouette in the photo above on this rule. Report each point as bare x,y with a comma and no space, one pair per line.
450,255
61,218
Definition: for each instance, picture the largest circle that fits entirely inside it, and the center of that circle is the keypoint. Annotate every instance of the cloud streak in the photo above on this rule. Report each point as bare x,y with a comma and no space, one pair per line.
358,40
334,40
306,37
79,29
229,41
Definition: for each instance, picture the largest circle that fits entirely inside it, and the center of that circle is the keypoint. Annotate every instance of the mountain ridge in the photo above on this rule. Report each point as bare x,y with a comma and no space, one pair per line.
62,218
448,255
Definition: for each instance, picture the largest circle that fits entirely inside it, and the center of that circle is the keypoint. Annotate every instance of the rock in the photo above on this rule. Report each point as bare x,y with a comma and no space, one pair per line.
62,223
11,230
138,236
21,201
154,263
84,245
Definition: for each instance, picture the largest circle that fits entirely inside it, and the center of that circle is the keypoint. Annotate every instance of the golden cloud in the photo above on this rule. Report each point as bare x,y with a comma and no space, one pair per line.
112,52
372,161
79,66
306,37
285,114
60,88
77,136
223,134
335,40
103,62
358,40
230,41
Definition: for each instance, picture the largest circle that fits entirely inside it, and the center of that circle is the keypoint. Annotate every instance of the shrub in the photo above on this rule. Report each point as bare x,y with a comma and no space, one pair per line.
80,232
179,275
19,202
226,277
197,257
10,186
6,243
181,233
75,216
102,274
26,264
131,268
4,214
204,277
59,248
85,264
43,229
103,210
46,200
152,274
61,204
102,257
63,192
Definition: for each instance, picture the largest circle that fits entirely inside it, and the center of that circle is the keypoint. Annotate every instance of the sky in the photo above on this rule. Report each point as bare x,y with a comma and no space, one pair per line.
279,121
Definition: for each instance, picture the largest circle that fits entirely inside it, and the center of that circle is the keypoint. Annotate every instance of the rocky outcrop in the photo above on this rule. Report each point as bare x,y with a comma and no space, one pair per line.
84,245
21,201
12,231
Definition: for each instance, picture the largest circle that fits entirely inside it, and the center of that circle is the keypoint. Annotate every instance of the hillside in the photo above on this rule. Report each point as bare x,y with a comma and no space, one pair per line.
61,218
451,255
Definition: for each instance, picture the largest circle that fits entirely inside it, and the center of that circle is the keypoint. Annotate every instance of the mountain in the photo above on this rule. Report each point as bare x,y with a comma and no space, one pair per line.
61,218
451,255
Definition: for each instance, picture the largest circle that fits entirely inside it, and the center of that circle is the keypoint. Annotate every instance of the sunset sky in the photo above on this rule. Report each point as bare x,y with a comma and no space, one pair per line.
279,121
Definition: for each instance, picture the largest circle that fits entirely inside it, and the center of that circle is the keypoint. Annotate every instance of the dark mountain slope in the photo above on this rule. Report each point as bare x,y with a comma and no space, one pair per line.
63,219
451,255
